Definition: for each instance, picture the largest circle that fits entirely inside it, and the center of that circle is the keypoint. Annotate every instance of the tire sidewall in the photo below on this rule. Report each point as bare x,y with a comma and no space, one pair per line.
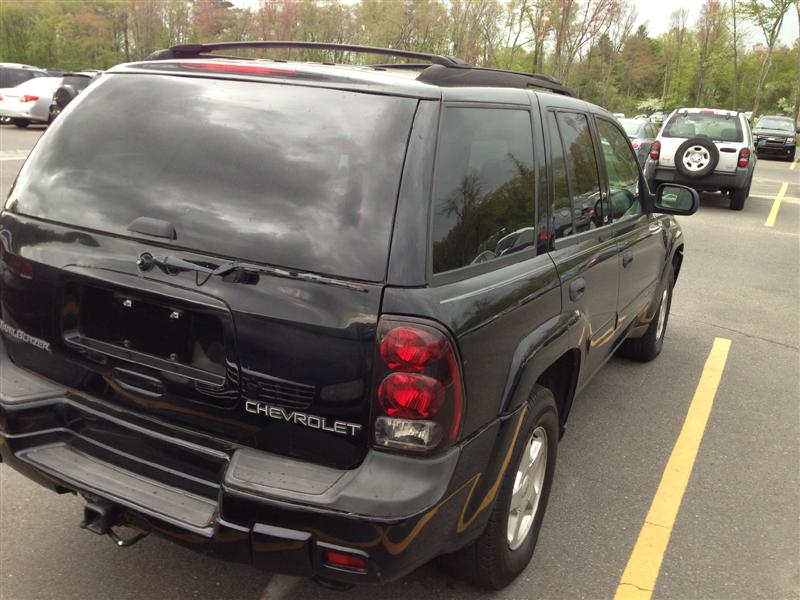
697,141
542,412
659,340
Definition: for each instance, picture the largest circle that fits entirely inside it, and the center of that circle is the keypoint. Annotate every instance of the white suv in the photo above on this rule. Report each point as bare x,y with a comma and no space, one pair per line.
707,149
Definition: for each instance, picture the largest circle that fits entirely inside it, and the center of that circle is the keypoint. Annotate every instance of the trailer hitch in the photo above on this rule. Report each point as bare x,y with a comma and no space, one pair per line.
100,517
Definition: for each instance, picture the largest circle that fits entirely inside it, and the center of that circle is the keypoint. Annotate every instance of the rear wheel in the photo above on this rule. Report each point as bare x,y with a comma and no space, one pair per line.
21,123
506,546
738,197
647,347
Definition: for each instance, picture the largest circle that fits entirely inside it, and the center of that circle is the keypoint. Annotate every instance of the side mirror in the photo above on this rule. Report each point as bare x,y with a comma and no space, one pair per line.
674,199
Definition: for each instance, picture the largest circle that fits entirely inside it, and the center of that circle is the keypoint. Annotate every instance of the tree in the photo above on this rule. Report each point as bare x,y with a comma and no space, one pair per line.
710,35
768,17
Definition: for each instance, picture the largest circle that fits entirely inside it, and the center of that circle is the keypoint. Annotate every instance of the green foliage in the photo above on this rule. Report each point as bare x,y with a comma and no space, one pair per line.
591,44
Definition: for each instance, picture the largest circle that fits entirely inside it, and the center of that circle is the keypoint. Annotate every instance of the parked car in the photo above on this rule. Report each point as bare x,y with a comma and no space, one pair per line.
244,314
642,133
29,102
776,136
12,74
657,117
71,85
619,115
709,149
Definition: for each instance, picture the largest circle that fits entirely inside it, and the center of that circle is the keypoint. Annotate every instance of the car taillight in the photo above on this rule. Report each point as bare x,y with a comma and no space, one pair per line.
655,150
27,98
744,157
418,394
21,267
345,561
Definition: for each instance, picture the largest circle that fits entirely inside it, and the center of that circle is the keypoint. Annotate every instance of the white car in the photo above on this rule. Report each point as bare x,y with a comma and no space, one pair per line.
29,102
707,149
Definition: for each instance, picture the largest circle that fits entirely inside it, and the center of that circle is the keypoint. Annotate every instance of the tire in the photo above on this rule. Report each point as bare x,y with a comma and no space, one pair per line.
707,152
21,123
648,347
739,196
793,155
490,562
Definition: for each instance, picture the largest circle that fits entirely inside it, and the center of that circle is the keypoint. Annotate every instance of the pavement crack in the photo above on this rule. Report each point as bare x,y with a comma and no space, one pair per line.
658,525
739,331
633,585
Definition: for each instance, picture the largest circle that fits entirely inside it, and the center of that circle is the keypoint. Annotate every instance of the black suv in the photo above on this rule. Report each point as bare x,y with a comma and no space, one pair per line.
326,319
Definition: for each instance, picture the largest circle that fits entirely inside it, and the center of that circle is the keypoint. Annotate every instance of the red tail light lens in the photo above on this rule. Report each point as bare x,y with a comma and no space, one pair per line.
345,561
744,157
418,392
21,267
241,69
409,349
27,98
410,396
655,150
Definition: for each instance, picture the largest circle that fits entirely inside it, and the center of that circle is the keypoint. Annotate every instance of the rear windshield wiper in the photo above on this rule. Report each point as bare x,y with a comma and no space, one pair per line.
233,271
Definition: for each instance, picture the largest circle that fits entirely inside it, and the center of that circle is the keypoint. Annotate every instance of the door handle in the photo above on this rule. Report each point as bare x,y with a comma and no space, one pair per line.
577,288
627,258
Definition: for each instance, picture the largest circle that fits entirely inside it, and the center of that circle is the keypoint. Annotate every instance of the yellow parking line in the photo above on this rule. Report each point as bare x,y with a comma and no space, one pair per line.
773,214
639,578
794,163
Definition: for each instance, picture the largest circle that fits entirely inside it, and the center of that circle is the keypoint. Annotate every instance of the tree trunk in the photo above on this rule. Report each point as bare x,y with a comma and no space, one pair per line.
735,58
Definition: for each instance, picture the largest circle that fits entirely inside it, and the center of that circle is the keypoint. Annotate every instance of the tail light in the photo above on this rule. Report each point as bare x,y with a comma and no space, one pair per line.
347,562
27,98
744,157
418,395
655,150
21,267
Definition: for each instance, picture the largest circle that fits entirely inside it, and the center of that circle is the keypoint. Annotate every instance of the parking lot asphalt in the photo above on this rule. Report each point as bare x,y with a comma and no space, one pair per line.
735,535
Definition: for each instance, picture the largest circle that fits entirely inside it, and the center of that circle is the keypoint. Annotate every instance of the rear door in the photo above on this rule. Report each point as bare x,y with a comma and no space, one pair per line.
640,237
584,249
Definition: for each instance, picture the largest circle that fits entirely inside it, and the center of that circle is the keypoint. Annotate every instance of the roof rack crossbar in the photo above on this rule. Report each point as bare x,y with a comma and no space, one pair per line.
194,50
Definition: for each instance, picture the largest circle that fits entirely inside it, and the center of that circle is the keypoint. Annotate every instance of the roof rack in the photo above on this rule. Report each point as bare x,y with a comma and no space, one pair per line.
445,71
195,50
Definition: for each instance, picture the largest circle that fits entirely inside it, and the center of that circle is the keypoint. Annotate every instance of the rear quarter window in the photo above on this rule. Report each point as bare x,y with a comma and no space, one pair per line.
483,194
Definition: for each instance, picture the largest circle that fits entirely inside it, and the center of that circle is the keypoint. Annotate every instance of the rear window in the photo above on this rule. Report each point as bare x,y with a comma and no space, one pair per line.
78,82
293,176
631,127
720,128
11,77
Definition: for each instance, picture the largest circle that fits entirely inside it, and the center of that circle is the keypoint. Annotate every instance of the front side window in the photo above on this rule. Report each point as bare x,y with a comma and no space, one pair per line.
483,193
622,170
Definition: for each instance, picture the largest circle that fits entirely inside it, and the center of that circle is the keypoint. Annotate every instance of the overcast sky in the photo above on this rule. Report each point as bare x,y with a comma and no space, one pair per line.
656,13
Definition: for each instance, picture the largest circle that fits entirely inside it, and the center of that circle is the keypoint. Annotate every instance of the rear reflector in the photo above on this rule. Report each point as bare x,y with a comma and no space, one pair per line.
744,157
345,561
27,98
655,150
241,69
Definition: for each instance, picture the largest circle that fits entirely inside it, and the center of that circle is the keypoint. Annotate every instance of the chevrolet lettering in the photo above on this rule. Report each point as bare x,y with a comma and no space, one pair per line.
291,416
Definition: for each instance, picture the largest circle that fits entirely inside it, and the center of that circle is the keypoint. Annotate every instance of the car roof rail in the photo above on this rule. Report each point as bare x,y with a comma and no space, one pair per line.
197,50
445,71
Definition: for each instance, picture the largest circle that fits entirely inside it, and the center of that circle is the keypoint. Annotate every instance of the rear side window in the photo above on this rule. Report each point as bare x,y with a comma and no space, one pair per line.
582,173
720,128
292,176
483,194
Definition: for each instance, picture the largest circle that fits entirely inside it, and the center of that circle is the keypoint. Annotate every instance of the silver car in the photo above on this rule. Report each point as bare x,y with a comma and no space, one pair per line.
29,102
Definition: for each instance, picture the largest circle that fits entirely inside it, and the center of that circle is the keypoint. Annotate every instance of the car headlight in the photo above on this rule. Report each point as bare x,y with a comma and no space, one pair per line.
790,140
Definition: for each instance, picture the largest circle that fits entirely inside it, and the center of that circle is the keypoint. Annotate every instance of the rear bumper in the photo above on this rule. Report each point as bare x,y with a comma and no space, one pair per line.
713,181
244,505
